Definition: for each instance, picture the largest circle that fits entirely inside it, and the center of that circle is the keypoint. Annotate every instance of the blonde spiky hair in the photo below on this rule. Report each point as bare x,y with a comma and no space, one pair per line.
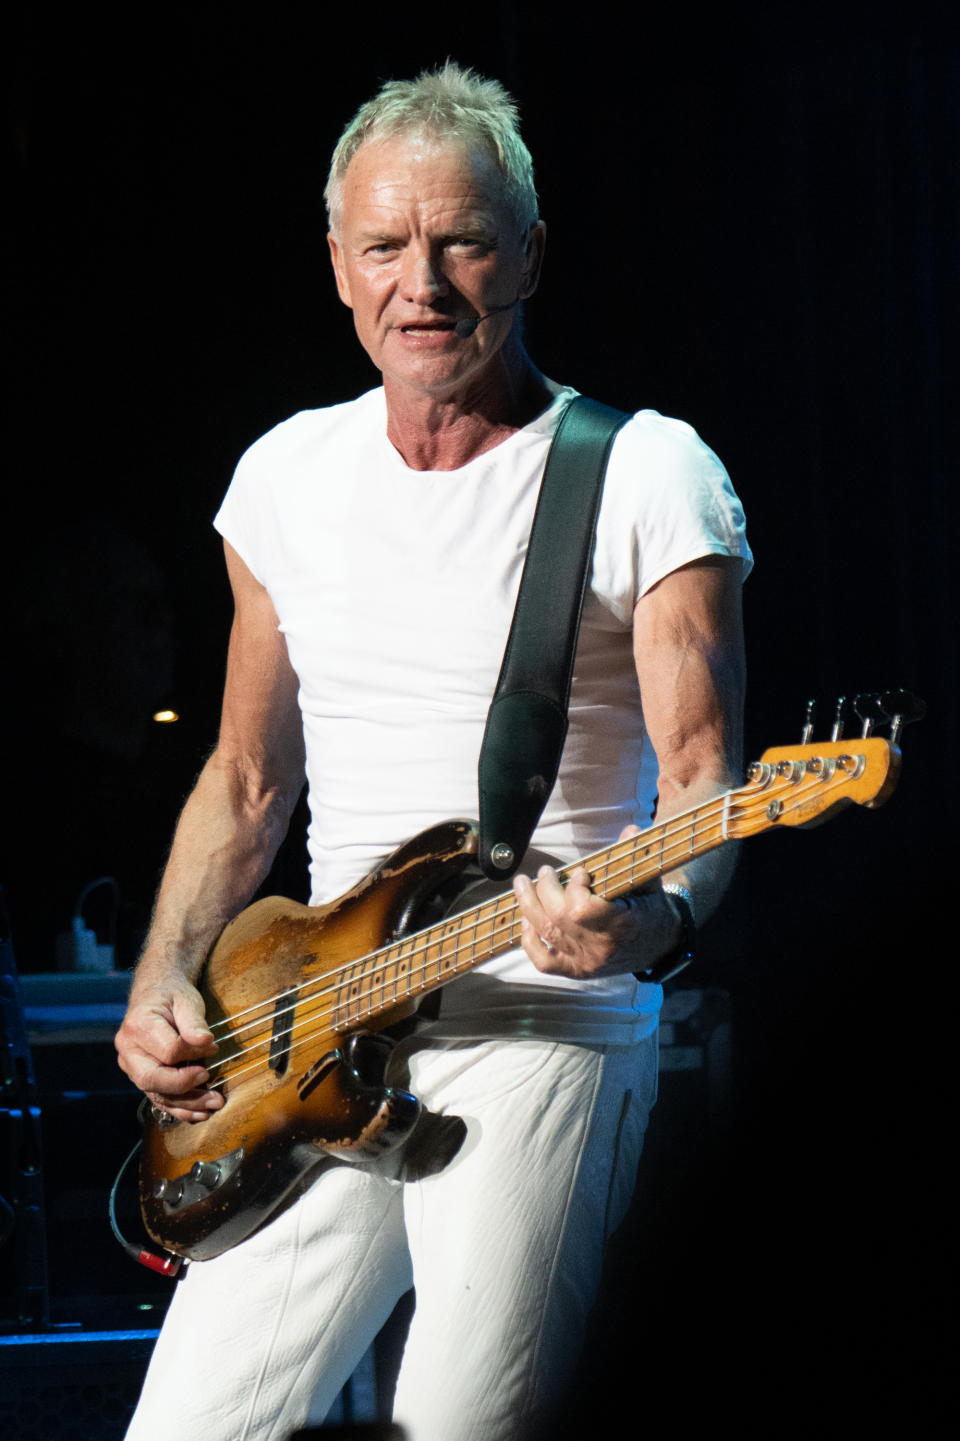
455,104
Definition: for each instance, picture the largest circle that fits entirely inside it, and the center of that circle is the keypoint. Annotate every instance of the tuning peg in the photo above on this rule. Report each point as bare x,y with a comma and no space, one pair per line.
900,708
870,711
808,723
838,719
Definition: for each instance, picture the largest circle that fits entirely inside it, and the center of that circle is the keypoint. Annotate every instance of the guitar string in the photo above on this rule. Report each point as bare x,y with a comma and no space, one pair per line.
499,921
743,796
488,911
502,926
674,829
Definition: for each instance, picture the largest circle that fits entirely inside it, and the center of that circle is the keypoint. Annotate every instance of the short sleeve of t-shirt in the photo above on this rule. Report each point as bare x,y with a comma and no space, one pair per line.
248,517
668,491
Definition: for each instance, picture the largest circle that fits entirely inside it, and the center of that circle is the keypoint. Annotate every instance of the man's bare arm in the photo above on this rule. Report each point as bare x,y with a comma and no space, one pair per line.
692,672
225,841
688,646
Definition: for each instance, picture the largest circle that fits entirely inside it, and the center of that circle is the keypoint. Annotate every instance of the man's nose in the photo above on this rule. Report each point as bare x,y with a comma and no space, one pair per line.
424,280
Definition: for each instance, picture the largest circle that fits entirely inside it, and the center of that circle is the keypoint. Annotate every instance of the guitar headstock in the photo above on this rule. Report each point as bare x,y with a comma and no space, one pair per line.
802,785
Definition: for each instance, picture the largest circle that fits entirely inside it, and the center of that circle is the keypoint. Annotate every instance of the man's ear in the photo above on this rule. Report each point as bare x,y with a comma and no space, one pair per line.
339,269
532,259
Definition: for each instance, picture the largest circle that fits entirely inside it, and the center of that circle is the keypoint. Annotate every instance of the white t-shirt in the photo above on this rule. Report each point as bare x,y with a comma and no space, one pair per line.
395,589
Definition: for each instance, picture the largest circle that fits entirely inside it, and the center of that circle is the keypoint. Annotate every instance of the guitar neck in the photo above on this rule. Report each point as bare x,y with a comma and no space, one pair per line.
428,959
789,786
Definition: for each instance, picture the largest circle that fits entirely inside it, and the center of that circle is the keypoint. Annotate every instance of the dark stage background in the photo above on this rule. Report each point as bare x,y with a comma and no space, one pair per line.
753,225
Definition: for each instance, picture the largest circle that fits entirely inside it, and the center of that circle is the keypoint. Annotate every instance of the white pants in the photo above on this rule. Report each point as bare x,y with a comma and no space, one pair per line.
504,1246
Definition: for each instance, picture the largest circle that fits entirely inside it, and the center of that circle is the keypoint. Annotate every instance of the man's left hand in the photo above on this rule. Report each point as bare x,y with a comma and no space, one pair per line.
568,931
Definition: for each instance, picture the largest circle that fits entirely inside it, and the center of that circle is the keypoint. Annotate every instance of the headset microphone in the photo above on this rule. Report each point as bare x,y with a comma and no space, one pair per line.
465,328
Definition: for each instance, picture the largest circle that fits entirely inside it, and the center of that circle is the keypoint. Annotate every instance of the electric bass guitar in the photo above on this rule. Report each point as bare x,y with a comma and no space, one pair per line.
298,996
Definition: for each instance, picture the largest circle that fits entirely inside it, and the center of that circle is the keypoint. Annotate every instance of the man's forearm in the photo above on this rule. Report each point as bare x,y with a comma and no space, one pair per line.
707,878
226,839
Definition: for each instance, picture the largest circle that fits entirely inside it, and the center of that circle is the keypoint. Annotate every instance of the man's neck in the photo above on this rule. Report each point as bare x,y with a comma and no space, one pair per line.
445,433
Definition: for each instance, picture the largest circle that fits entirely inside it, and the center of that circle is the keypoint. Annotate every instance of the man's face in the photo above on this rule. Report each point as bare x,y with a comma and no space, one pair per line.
426,239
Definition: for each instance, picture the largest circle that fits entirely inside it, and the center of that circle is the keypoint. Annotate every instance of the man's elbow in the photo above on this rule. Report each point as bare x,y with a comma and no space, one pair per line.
264,790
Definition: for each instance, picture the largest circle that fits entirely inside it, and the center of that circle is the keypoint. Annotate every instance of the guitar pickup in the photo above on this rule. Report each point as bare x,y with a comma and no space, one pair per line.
283,1013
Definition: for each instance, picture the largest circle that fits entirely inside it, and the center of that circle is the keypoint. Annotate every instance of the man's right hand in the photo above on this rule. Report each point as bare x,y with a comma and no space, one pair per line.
162,1045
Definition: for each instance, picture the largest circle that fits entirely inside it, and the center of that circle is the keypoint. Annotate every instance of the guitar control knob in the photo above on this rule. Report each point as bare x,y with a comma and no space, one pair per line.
207,1173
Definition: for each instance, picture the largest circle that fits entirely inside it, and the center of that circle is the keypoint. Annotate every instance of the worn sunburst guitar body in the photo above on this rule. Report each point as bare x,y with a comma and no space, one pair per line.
297,995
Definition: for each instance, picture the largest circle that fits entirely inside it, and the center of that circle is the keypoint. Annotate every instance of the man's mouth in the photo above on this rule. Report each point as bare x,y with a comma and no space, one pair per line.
420,327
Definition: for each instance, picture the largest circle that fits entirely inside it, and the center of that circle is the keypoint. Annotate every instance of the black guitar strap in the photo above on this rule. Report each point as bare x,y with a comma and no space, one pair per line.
527,721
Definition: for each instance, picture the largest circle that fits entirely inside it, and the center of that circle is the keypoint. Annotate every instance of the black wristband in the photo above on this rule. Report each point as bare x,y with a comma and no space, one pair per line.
682,954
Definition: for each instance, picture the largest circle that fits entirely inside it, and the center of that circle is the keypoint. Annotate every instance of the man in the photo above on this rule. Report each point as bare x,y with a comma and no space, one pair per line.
374,550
